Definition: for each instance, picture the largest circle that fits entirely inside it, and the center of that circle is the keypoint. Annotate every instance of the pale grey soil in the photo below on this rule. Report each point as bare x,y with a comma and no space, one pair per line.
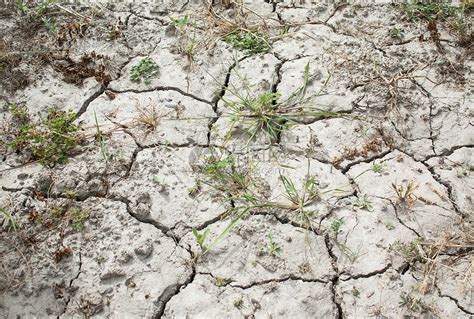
402,104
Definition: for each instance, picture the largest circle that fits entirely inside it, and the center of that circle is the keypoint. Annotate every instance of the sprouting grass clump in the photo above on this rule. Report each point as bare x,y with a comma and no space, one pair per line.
51,141
146,69
267,112
249,42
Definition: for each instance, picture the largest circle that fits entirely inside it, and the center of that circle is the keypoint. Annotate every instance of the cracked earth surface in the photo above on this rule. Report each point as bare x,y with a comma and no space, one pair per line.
396,112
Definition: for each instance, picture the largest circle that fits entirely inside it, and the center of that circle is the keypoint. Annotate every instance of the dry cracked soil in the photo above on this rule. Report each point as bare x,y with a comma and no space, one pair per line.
237,159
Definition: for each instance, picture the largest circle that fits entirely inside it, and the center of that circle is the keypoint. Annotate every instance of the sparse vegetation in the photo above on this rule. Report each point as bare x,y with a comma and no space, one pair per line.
78,217
267,113
201,238
363,202
300,199
248,41
272,248
336,226
8,218
411,251
51,141
414,305
145,70
405,193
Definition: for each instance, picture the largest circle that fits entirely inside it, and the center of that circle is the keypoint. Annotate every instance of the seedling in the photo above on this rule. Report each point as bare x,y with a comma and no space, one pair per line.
220,282
336,225
395,33
78,217
389,226
363,202
464,170
180,23
249,42
412,304
196,189
405,193
146,69
201,238
238,303
351,254
355,292
9,218
411,251
301,199
377,168
163,186
273,248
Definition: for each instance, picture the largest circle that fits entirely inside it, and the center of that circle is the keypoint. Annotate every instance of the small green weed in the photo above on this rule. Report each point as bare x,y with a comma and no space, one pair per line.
9,218
273,248
300,199
336,225
249,42
414,305
226,177
201,238
389,226
411,251
78,217
180,23
146,69
355,292
363,202
50,141
238,303
220,282
378,168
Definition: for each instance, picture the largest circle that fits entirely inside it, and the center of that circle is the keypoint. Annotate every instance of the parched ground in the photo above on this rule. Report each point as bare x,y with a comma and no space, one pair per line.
270,159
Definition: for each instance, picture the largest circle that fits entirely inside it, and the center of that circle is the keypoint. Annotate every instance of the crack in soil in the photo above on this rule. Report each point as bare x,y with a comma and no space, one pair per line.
366,275
161,88
454,300
71,283
286,278
173,290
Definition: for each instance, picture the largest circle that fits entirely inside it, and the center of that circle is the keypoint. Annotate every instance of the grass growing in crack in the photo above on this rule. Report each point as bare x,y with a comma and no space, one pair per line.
224,176
144,70
51,141
201,238
411,251
9,218
300,199
336,226
267,113
248,41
